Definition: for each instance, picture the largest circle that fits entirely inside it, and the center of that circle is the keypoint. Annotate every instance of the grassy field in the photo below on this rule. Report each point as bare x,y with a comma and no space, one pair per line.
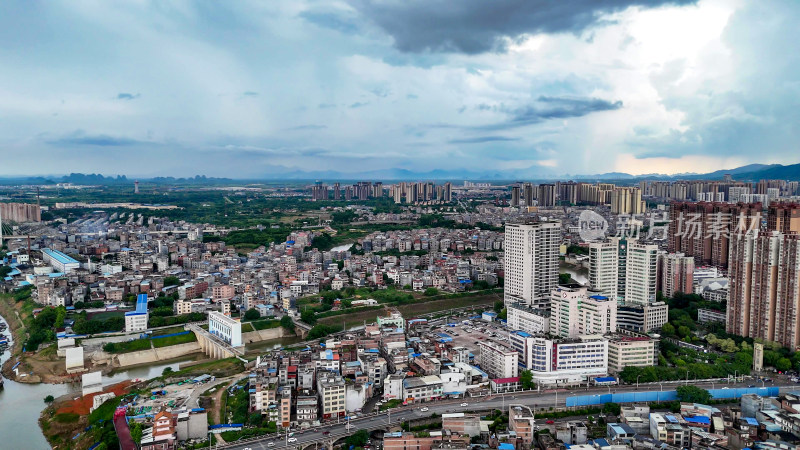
170,330
104,315
174,340
412,310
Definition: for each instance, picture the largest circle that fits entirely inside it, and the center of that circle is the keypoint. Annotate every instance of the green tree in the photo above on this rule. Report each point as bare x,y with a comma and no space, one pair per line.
308,316
693,394
564,278
684,331
783,364
49,399
358,439
431,291
612,408
498,306
251,314
288,323
526,379
172,281
136,432
167,371
668,329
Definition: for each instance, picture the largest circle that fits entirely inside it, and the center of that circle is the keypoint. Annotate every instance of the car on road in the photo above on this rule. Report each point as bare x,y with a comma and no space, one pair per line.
326,433
465,404
752,386
549,422
424,409
292,439
270,444
726,387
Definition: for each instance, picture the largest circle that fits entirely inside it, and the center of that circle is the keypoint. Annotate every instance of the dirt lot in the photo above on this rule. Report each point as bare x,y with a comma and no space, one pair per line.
409,311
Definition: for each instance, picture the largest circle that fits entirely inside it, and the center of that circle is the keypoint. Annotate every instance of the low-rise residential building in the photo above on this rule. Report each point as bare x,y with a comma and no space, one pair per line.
528,319
499,360
631,349
331,391
709,315
422,389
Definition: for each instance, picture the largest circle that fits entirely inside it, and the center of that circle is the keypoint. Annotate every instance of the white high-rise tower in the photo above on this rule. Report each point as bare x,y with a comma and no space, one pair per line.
531,262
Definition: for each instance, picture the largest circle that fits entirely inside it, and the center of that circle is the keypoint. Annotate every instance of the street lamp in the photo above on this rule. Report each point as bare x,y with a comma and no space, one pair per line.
687,377
637,382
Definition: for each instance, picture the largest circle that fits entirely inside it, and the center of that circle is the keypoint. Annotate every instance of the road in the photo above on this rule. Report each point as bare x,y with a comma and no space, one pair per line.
535,400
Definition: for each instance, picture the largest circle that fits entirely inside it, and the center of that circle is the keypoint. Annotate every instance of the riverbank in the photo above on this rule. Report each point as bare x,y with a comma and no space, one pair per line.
16,327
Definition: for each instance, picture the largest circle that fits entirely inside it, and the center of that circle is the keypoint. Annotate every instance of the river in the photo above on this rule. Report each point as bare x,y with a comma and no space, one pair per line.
578,274
343,247
21,403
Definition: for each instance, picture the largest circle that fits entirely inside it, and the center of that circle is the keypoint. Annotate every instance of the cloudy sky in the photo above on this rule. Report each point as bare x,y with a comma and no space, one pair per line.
249,89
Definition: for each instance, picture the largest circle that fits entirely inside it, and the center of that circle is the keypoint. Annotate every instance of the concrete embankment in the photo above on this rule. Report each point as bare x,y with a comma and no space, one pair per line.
263,335
174,351
152,355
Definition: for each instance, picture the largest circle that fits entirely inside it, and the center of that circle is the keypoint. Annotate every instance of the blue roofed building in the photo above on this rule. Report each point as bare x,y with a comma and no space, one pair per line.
59,261
137,320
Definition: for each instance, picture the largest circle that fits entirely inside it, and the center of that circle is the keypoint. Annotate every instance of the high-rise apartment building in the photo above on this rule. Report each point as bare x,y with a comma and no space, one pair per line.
676,274
546,195
515,196
784,217
604,267
531,262
568,192
528,193
627,200
702,229
337,191
642,273
764,290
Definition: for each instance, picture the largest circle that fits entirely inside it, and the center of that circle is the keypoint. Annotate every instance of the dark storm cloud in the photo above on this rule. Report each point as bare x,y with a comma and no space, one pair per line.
547,108
331,20
99,140
561,108
482,139
127,96
477,26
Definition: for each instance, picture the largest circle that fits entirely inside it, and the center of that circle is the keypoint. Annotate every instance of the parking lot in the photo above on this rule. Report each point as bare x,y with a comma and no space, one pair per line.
469,334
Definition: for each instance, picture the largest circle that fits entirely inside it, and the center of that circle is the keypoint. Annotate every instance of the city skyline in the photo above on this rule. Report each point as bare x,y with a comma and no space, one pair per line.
250,90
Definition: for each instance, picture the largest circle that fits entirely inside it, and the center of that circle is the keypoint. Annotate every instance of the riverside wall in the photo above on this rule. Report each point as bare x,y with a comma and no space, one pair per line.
263,335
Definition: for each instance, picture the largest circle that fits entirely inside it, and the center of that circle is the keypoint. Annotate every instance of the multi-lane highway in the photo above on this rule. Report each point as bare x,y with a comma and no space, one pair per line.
534,400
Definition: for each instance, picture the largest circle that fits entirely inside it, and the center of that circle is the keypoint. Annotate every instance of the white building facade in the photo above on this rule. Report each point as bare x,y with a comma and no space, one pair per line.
225,328
531,261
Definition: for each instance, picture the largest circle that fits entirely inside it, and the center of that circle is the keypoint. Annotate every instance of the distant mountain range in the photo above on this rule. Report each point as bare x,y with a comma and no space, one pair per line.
751,172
